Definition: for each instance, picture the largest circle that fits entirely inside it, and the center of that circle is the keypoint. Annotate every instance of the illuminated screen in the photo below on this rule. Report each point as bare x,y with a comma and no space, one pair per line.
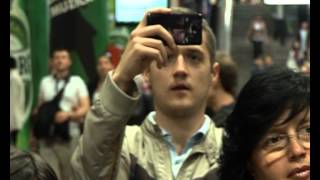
132,11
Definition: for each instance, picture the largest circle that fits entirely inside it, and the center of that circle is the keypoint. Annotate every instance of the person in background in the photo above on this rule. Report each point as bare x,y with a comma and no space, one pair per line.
262,63
258,35
145,103
177,140
73,105
303,37
17,101
29,166
222,95
104,65
258,65
268,60
295,58
267,136
305,68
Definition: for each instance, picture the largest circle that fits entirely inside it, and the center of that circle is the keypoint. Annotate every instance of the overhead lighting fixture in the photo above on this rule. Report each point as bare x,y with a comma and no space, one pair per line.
287,2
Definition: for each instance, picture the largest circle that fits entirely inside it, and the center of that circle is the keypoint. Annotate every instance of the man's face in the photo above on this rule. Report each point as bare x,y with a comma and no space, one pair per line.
61,61
104,66
181,86
305,25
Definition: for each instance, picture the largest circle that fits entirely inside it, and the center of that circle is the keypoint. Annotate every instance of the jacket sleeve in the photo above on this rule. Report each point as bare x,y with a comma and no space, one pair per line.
97,156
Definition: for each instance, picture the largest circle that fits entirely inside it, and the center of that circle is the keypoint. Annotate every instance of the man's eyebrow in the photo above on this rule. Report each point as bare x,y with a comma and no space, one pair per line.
193,49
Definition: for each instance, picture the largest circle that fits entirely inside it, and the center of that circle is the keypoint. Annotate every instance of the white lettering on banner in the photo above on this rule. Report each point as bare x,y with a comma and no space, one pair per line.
66,5
24,64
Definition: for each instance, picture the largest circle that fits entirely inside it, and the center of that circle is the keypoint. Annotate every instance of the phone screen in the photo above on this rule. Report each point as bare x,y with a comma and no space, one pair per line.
186,29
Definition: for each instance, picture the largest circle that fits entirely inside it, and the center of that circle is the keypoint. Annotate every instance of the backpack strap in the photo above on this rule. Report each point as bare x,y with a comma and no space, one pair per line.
58,97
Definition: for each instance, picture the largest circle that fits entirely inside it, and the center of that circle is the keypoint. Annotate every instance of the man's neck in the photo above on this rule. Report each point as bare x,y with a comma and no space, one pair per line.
101,79
221,99
61,74
180,128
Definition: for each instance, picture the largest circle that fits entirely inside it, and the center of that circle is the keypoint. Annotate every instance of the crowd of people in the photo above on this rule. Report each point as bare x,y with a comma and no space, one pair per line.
169,111
299,50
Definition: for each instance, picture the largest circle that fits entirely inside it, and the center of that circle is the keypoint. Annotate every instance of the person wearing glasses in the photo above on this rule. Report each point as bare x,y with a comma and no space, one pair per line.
267,136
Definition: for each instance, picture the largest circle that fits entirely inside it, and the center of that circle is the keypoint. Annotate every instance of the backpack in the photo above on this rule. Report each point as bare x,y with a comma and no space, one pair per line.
44,126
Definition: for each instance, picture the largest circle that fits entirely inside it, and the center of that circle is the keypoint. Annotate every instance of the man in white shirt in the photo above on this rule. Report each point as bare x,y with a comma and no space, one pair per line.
73,105
303,36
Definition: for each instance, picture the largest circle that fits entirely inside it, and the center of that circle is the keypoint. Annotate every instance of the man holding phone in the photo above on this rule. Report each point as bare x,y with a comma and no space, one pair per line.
177,140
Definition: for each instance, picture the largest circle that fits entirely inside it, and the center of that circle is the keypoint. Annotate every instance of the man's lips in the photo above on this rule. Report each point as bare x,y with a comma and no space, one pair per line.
301,172
180,86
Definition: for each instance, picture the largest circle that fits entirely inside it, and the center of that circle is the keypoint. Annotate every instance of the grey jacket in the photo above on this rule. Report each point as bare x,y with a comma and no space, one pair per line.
109,149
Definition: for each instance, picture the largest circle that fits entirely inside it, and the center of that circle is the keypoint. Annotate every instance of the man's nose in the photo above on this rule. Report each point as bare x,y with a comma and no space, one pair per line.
180,67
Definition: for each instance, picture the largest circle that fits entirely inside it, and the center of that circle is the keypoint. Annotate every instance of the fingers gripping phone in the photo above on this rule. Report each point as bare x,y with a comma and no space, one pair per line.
186,29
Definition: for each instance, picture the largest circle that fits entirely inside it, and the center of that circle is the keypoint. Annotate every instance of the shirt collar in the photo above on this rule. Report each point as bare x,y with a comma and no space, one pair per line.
202,131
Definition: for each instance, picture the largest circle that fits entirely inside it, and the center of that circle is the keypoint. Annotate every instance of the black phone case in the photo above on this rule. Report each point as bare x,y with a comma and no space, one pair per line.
186,29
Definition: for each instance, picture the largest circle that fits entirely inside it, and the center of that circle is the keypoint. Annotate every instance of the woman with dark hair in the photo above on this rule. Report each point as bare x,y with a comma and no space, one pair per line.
29,166
267,136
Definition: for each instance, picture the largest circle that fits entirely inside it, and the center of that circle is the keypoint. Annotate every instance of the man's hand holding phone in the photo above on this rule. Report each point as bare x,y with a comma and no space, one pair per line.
141,50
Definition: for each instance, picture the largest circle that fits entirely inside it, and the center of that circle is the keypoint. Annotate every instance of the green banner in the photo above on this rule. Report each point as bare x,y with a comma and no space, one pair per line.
81,27
21,50
34,18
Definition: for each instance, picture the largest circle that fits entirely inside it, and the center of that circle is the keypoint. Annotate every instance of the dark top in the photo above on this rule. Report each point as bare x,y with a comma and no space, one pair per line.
219,118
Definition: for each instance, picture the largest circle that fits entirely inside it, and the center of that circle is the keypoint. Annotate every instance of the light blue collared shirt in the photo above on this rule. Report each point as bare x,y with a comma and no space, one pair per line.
176,159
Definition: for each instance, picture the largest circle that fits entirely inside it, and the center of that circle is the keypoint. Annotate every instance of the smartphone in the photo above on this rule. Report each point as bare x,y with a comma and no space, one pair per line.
186,29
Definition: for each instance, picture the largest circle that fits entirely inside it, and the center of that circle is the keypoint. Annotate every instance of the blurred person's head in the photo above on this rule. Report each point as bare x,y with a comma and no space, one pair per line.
61,60
182,85
305,25
227,77
296,45
29,166
104,65
267,58
259,62
267,134
305,68
258,18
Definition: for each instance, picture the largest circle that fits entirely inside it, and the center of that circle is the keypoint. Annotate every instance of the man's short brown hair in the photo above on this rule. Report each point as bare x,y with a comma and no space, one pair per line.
228,72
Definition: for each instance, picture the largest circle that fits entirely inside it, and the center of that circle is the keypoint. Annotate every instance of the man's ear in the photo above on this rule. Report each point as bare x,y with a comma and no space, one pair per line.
215,72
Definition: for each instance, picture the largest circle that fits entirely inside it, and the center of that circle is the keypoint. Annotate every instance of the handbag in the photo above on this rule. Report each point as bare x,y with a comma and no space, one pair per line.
44,126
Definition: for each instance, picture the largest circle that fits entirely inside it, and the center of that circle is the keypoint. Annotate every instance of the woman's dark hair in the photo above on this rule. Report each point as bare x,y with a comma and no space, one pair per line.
265,97
29,166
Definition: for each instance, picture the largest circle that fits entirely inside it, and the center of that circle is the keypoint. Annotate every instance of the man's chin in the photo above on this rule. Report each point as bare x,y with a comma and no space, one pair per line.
180,109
